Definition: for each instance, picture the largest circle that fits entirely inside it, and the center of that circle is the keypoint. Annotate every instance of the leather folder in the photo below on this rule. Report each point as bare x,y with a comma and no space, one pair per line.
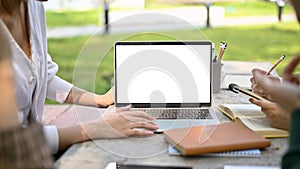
214,138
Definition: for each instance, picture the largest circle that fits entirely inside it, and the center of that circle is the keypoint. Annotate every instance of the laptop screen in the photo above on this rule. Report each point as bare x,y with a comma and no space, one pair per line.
163,74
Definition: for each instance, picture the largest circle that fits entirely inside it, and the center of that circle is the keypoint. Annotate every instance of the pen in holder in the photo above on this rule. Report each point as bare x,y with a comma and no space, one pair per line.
216,76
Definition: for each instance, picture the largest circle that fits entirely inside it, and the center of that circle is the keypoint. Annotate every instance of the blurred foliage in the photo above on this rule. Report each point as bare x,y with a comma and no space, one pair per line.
88,61
232,9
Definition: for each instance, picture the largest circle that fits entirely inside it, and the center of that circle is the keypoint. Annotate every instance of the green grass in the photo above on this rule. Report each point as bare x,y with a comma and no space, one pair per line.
72,18
95,16
90,60
252,8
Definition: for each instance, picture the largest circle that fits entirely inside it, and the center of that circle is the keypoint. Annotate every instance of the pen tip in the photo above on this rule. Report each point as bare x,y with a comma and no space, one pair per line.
283,56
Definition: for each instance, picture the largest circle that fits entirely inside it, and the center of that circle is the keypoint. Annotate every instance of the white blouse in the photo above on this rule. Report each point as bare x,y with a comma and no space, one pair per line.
36,79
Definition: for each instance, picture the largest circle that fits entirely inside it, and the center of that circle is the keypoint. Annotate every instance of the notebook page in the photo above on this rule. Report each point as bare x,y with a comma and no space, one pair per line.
245,110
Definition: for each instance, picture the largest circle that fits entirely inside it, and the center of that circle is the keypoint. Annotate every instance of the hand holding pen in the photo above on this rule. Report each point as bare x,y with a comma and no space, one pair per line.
255,87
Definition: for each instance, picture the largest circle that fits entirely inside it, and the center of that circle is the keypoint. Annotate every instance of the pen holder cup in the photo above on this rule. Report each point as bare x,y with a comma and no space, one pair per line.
216,76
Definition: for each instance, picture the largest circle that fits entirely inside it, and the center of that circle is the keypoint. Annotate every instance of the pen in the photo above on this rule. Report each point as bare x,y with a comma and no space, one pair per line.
274,66
222,48
236,88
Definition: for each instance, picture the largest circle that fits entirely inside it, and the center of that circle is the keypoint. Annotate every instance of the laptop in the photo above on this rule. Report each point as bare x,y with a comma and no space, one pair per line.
170,80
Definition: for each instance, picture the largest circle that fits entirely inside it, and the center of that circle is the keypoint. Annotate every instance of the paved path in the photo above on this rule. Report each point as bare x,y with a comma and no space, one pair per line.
156,20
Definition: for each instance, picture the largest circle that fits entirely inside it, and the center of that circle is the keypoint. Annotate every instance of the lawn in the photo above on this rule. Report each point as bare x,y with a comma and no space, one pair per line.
95,16
233,8
72,18
252,8
88,61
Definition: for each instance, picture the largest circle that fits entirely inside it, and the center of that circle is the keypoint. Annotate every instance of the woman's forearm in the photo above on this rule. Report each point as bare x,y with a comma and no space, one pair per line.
71,135
82,97
86,98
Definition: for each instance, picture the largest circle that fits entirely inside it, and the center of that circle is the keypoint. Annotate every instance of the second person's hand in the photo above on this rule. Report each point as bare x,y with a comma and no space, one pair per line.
288,73
286,94
256,88
276,115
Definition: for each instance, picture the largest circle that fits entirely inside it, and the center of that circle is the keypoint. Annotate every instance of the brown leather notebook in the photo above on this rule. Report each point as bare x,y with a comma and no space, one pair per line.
214,138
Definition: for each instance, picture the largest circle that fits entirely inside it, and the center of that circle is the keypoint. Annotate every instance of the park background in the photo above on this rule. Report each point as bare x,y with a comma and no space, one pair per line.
255,40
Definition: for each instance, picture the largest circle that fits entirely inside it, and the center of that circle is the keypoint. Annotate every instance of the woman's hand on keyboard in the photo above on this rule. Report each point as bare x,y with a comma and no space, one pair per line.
121,123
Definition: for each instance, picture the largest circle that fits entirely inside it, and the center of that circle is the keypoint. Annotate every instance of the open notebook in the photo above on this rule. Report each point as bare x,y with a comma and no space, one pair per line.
252,117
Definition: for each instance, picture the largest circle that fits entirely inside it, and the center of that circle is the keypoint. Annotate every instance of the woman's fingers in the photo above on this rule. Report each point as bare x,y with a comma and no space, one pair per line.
121,109
289,69
130,123
144,125
139,132
256,102
138,115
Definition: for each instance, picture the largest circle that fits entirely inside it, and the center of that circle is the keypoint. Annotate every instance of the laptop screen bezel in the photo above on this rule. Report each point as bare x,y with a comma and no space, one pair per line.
164,105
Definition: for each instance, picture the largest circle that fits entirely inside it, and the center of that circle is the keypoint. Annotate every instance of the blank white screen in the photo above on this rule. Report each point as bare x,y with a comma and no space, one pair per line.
163,73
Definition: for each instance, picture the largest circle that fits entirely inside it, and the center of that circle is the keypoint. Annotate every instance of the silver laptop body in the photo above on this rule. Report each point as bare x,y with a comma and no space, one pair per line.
171,80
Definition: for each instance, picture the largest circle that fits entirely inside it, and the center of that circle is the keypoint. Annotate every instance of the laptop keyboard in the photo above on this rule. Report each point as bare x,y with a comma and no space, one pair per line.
177,113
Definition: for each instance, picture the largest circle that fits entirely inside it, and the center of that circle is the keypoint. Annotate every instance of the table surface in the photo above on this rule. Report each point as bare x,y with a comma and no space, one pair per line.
96,154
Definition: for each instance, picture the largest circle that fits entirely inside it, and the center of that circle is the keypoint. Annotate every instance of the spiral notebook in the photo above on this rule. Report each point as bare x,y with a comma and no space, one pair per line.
239,153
